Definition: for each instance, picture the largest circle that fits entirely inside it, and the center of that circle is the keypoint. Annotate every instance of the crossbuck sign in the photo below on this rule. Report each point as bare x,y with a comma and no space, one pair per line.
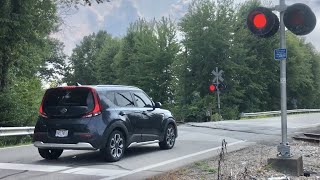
217,75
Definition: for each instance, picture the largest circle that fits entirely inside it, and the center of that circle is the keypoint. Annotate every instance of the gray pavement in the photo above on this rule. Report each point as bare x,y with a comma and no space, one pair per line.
268,126
139,162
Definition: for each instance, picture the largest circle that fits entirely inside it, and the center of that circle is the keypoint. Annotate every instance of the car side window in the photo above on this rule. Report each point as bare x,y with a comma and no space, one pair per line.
124,99
110,96
142,100
107,98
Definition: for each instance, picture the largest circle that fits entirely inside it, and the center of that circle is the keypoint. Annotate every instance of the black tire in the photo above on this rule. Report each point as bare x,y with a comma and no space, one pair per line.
50,154
169,138
115,147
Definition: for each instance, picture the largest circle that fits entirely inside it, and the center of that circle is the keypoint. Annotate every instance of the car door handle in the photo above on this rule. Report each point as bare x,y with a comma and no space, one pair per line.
121,113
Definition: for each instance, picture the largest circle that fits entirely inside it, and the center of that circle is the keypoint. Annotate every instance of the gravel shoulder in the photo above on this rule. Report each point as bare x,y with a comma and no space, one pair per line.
248,163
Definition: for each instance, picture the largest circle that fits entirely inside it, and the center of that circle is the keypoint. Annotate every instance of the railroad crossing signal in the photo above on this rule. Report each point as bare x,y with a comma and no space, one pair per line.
212,88
262,22
221,86
215,87
217,75
298,18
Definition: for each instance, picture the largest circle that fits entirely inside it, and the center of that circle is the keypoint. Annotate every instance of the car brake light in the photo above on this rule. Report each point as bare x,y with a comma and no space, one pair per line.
42,113
97,107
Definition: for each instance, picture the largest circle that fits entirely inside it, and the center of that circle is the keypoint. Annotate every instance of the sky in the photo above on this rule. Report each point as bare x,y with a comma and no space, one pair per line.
116,15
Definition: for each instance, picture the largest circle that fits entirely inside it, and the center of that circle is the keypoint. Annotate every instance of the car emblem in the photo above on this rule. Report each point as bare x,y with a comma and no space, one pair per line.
63,110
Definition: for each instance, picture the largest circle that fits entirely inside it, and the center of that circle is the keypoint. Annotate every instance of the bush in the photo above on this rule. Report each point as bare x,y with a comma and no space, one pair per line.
19,103
15,140
194,112
230,113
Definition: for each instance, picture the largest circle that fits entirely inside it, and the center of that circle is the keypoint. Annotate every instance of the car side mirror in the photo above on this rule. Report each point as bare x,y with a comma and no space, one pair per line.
157,105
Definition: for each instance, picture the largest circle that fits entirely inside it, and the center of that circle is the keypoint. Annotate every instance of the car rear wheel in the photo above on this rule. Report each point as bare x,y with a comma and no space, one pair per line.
50,153
115,147
169,138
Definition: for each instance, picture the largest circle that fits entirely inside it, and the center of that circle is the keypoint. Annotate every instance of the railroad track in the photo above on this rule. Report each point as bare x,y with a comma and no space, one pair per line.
308,137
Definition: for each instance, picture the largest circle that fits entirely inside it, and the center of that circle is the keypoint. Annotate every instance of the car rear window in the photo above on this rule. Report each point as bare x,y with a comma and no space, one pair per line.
66,102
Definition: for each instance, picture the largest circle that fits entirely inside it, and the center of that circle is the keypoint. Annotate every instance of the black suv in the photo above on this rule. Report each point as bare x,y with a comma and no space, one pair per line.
105,117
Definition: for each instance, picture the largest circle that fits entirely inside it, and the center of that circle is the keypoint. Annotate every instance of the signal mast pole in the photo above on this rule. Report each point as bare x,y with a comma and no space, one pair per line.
283,148
218,94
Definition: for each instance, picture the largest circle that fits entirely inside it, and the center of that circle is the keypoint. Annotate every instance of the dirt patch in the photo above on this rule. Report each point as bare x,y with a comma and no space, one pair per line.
249,163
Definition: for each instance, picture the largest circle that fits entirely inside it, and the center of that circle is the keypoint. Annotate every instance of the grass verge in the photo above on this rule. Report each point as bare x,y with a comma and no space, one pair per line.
14,141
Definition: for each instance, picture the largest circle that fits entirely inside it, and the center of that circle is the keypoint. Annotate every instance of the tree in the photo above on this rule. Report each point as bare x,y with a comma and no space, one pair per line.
136,60
165,31
25,52
23,24
84,65
207,29
300,79
255,74
53,63
105,61
146,55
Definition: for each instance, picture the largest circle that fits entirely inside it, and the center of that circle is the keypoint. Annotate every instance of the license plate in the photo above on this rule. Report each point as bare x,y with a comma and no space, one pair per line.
61,133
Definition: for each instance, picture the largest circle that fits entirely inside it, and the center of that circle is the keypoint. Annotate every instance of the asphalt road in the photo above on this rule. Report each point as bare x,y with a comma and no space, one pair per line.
196,141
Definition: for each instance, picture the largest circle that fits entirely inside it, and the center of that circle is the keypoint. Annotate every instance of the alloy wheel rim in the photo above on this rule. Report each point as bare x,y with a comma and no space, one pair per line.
116,146
170,138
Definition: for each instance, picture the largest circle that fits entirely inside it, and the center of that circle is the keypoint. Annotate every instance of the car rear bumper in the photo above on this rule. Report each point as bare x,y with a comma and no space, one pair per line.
78,146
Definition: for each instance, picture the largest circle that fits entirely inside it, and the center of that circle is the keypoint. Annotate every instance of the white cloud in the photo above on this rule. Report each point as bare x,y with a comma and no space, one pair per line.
150,9
115,17
178,9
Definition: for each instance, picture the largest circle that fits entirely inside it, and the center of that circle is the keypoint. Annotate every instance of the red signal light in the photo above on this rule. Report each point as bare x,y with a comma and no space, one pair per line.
212,88
260,21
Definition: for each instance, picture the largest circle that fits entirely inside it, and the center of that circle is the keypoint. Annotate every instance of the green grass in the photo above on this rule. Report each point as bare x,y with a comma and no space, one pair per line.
258,117
15,141
204,166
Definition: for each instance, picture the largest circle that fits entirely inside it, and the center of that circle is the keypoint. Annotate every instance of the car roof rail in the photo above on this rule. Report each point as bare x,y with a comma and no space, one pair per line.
124,86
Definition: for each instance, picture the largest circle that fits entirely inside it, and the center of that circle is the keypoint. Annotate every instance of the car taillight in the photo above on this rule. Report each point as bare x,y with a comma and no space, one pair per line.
97,107
42,113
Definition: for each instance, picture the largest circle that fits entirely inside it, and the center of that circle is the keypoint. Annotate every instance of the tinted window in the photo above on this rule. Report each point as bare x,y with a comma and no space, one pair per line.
142,100
124,99
68,102
107,98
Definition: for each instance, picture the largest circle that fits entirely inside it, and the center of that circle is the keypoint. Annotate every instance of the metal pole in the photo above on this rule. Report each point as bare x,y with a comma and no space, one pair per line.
218,93
283,148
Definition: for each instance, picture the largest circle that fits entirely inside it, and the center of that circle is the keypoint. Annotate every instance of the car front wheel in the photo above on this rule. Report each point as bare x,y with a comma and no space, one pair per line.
169,138
50,153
